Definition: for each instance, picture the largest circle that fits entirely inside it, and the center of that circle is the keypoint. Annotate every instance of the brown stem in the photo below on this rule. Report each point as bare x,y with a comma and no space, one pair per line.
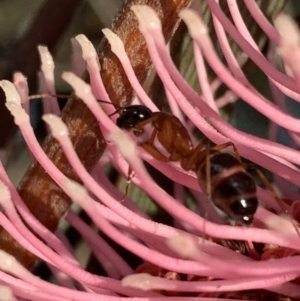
42,196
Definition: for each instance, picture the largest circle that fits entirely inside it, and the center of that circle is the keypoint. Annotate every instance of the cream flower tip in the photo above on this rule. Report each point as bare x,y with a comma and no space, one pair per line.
80,87
146,16
287,29
46,57
195,25
183,244
76,191
10,91
115,42
141,281
42,48
19,77
6,293
281,225
18,113
4,192
88,50
6,261
125,145
57,126
20,82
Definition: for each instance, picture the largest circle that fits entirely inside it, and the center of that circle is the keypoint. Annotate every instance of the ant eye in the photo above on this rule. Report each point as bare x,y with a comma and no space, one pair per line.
244,206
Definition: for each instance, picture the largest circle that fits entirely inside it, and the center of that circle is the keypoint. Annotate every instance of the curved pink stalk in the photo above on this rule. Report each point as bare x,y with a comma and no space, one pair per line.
197,252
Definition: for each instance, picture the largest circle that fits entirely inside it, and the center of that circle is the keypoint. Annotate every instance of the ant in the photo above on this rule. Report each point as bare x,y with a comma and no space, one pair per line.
230,188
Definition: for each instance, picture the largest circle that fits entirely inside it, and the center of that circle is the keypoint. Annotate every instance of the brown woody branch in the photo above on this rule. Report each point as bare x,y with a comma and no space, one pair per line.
42,196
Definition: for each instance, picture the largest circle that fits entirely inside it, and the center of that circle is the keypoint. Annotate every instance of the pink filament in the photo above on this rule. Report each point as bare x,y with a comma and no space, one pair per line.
123,221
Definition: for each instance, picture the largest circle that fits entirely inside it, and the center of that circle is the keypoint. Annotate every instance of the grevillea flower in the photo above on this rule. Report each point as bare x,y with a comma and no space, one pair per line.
195,257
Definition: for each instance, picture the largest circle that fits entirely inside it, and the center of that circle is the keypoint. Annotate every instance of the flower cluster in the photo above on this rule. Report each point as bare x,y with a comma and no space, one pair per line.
195,257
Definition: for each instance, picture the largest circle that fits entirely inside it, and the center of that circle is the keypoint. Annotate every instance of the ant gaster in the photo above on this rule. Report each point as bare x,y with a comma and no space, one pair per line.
224,176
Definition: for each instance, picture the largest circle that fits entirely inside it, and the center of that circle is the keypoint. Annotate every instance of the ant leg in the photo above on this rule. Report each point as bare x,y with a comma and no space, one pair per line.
130,175
279,201
267,184
195,157
199,156
207,173
143,123
152,137
154,152
206,153
222,146
148,146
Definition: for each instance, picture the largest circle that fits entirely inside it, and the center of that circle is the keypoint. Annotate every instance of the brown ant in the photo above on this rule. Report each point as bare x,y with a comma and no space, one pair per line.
229,186
227,183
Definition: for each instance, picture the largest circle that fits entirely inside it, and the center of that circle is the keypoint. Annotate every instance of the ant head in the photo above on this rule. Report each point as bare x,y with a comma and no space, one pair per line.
131,116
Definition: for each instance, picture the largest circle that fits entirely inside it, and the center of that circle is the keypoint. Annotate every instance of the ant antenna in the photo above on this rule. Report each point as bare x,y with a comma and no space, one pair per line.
36,96
115,112
110,103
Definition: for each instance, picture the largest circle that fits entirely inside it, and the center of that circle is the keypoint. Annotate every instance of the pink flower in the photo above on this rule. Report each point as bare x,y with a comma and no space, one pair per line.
178,260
